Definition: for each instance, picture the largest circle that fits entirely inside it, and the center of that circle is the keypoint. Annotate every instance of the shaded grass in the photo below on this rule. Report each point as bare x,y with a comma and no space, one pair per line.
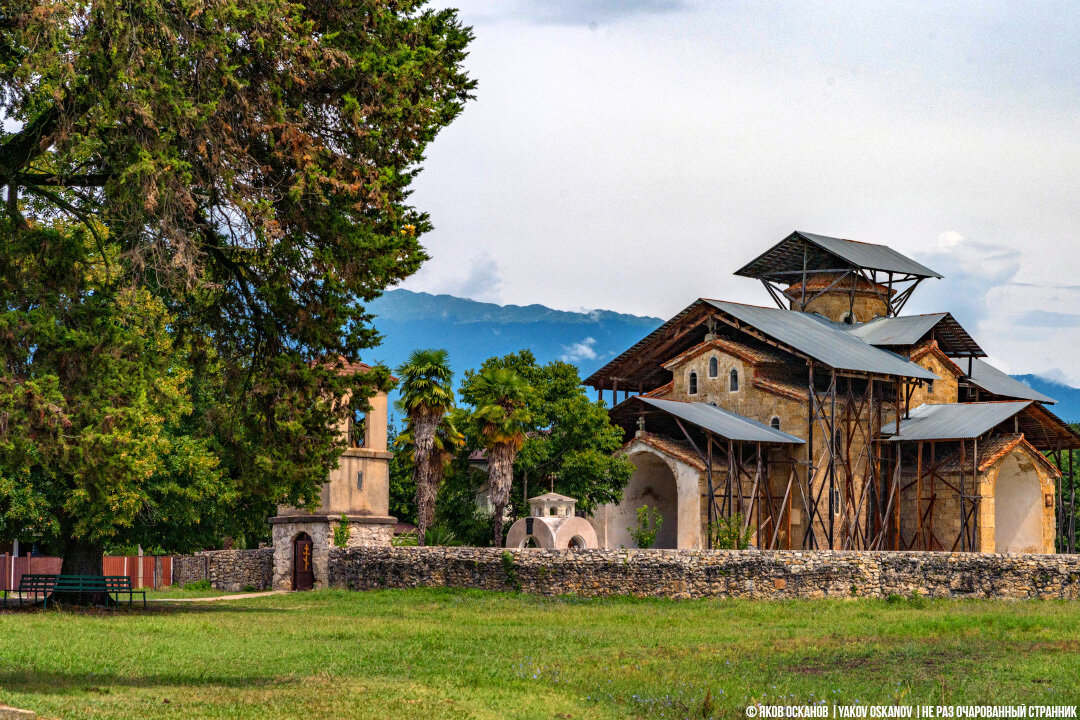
470,654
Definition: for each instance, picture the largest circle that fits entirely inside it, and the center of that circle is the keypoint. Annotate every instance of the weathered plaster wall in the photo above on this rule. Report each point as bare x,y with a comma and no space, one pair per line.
226,569
711,573
659,482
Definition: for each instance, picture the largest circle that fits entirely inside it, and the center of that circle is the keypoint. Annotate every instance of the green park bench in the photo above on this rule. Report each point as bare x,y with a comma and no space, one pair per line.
45,585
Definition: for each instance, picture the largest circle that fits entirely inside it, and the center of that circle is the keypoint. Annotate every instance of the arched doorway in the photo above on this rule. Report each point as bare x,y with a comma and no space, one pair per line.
1017,507
653,484
303,570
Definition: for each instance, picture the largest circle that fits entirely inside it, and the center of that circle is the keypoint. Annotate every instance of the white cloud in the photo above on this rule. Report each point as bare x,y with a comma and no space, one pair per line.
478,280
634,167
584,350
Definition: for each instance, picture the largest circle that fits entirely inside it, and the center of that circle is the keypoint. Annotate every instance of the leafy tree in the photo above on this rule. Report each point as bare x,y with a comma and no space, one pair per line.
426,396
200,199
501,418
571,443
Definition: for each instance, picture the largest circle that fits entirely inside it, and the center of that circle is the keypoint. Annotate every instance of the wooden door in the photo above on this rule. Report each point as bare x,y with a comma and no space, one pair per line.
303,573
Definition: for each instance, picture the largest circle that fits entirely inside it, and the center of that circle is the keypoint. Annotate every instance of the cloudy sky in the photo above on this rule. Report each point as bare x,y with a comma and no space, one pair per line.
630,155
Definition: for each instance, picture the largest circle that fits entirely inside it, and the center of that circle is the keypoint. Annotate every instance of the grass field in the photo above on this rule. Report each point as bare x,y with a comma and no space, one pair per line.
463,654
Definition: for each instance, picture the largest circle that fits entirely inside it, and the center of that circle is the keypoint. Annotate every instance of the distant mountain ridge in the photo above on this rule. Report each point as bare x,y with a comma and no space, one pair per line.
472,331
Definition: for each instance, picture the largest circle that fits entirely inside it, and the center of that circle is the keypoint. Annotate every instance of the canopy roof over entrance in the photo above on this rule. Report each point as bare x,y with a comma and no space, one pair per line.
659,417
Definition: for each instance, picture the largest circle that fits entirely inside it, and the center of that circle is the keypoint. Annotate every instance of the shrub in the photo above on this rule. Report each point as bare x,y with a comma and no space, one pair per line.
643,535
408,539
728,534
440,535
197,585
341,532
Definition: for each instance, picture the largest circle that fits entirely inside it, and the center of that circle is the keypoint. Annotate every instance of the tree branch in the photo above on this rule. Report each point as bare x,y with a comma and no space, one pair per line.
53,179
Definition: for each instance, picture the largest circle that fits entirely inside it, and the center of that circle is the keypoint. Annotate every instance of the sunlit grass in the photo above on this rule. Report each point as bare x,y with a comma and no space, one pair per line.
467,654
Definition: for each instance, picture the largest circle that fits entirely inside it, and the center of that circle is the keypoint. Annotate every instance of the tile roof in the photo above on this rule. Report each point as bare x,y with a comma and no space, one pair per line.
788,390
932,348
680,451
745,353
991,452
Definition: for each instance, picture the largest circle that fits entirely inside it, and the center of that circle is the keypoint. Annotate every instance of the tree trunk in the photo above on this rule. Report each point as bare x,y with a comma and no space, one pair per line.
501,476
81,558
425,422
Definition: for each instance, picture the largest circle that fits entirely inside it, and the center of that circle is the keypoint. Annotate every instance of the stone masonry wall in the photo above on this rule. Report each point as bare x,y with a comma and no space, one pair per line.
711,573
226,569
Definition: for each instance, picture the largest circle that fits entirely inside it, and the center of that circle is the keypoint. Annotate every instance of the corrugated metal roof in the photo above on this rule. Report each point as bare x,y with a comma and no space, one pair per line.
954,421
909,329
870,256
992,380
724,423
816,253
905,330
822,340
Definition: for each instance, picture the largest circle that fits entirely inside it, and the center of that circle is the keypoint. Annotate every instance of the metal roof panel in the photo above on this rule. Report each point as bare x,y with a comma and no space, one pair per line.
904,330
823,340
724,423
992,380
954,421
870,256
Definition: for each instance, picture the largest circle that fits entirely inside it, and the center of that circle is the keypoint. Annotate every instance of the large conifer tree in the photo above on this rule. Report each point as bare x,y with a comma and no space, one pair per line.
201,195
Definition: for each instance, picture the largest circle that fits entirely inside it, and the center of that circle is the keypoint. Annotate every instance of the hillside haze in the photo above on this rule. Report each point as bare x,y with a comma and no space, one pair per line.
473,331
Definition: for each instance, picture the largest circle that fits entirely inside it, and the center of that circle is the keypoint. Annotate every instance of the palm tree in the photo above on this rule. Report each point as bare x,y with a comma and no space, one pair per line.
426,396
501,418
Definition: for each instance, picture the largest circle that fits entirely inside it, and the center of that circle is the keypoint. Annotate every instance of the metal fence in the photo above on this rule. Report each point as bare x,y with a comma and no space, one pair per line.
12,568
146,571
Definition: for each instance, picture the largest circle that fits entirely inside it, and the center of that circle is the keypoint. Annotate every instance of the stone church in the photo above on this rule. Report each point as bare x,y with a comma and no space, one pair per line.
832,420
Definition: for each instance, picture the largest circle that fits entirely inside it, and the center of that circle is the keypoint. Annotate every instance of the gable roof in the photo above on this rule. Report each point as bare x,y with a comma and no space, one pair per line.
828,253
989,378
680,451
907,330
953,421
993,451
745,353
822,340
932,348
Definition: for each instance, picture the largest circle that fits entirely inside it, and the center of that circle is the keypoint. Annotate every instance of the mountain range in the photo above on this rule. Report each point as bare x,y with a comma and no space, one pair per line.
472,331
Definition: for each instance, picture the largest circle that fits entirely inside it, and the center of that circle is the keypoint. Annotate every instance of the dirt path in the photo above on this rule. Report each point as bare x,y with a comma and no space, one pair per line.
215,598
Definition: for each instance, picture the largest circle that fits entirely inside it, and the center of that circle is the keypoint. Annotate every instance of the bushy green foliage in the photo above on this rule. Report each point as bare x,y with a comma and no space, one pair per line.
201,198
341,532
727,533
644,533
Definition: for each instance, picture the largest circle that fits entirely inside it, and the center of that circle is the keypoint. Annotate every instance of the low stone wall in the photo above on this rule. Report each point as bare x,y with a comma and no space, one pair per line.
711,573
226,569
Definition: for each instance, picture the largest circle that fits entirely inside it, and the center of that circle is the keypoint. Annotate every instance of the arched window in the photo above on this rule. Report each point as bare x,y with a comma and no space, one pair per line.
693,383
714,367
357,428
733,380
775,423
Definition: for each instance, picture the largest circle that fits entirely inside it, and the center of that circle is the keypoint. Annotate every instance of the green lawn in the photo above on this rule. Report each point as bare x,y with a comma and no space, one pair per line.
462,654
